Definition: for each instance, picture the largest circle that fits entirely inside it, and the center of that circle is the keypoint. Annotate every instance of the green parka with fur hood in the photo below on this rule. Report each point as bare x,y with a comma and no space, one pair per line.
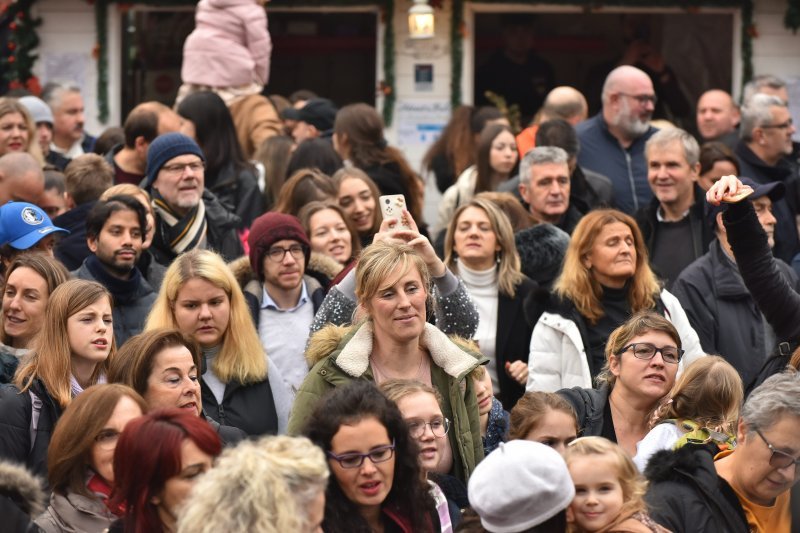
339,355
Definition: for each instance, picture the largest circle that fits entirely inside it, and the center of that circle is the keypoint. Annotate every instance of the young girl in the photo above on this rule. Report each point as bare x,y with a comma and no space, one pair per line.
69,354
494,419
608,490
421,408
544,417
703,407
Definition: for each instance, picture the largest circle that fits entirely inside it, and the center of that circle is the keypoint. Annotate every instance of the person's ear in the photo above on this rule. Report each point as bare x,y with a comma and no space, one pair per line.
69,200
695,171
741,431
91,242
614,364
720,224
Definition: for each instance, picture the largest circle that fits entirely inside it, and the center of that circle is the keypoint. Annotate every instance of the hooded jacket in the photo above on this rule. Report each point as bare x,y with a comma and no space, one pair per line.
230,45
687,495
340,355
75,513
21,498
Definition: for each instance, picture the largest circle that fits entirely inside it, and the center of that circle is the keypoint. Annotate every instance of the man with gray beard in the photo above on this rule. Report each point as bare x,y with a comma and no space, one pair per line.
612,142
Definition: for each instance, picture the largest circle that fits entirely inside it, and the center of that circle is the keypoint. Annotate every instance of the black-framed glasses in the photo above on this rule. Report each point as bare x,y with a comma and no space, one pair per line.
179,168
380,454
277,254
780,459
107,438
782,126
646,351
642,99
439,427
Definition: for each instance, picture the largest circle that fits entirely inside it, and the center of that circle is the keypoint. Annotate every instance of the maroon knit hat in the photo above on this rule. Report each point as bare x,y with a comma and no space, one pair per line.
270,228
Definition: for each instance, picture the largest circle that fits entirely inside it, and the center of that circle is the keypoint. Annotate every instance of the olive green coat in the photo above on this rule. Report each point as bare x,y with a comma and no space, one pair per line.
339,355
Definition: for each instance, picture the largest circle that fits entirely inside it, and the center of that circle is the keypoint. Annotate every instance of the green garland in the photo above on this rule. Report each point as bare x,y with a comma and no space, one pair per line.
456,52
388,85
18,40
792,18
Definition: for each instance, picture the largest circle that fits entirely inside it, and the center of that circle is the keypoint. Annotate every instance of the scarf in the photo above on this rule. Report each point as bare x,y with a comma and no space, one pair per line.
177,233
124,290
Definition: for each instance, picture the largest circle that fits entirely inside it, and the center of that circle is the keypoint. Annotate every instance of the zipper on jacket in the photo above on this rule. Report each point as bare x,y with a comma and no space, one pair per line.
631,180
221,413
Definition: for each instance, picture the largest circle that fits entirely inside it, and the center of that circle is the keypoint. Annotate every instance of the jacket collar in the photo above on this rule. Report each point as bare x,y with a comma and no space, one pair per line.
353,356
726,275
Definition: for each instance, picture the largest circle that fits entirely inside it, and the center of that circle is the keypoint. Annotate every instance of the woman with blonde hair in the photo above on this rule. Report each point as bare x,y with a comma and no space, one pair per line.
479,248
17,130
605,279
272,485
393,340
703,407
201,298
70,353
81,455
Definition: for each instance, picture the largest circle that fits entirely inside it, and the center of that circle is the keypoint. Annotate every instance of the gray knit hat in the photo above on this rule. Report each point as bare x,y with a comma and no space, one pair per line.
166,147
520,485
541,250
39,110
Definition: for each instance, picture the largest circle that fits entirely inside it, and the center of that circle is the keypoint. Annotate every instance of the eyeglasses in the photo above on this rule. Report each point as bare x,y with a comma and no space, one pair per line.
107,439
646,351
439,427
780,459
642,99
179,168
277,254
782,126
381,454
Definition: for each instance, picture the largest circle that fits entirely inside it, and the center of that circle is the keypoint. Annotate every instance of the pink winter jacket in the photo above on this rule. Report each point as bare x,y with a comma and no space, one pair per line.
230,45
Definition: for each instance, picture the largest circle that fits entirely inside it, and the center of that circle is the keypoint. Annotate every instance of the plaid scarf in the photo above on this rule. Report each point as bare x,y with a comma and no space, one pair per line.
176,233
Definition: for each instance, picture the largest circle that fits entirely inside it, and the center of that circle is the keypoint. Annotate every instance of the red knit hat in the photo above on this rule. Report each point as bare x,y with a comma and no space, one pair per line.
270,228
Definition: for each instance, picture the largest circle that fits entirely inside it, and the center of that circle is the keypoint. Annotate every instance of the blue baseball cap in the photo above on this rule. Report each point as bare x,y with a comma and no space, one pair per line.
22,225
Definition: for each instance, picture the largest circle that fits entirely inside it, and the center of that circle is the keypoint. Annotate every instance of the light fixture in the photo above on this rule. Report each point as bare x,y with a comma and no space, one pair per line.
420,20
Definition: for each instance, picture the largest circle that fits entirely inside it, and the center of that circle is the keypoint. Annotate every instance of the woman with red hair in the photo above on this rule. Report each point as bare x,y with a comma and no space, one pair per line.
158,458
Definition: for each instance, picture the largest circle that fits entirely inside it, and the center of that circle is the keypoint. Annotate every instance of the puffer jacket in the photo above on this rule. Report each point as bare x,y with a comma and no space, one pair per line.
558,357
15,427
75,513
340,355
230,45
687,495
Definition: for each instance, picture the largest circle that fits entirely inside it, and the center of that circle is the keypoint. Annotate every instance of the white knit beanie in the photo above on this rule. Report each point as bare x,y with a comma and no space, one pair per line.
520,485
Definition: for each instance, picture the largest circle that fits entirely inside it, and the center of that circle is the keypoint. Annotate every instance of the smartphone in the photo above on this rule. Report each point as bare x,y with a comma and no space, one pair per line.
392,206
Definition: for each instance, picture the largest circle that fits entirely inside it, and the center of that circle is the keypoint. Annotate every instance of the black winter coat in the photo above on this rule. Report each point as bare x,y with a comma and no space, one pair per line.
723,313
72,249
238,192
15,427
590,408
250,407
687,495
513,340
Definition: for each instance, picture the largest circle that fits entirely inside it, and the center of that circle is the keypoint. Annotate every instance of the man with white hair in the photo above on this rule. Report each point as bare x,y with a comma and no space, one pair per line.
69,137
766,141
545,187
612,142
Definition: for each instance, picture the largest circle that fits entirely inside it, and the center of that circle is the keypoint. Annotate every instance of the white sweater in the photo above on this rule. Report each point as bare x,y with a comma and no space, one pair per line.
483,288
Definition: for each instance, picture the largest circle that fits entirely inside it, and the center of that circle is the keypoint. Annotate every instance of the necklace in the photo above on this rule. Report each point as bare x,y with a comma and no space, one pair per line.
381,375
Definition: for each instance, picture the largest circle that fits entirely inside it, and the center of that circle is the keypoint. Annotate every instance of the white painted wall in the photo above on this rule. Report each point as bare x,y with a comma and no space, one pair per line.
67,41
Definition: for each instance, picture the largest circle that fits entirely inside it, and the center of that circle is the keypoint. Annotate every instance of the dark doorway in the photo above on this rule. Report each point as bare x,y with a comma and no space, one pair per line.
330,53
581,48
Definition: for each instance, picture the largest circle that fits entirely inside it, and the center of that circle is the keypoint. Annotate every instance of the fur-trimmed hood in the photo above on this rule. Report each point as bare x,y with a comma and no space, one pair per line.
321,263
22,487
350,348
692,460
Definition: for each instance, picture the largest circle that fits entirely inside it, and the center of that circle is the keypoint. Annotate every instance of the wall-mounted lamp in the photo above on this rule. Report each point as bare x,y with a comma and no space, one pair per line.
420,20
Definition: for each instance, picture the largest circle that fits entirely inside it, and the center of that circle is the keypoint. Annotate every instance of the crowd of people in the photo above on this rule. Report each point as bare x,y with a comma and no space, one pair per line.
208,324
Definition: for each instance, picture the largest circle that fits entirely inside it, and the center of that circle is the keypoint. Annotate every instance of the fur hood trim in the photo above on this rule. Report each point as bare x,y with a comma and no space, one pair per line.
455,356
23,488
244,274
325,265
668,465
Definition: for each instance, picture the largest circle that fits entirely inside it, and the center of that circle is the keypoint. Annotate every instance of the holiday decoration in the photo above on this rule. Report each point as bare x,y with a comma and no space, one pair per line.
17,57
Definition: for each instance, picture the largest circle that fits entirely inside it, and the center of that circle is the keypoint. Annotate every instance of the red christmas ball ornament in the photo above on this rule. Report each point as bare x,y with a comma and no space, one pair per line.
11,46
11,59
12,26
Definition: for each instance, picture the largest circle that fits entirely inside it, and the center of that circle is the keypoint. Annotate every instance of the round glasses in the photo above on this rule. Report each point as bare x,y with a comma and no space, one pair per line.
646,351
380,454
439,427
277,254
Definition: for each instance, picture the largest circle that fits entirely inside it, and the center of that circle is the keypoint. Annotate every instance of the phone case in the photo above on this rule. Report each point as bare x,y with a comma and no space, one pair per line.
392,206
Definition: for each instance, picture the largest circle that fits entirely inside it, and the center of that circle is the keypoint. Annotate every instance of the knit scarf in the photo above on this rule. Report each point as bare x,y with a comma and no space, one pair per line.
175,232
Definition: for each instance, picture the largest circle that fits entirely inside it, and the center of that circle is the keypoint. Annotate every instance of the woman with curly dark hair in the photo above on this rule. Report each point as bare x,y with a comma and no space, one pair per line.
376,481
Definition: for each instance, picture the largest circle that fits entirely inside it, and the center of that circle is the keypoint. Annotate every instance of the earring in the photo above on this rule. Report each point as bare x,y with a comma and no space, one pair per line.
499,255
